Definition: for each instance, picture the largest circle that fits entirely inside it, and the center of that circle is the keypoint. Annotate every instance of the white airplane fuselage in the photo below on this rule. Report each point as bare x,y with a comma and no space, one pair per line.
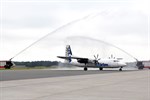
103,63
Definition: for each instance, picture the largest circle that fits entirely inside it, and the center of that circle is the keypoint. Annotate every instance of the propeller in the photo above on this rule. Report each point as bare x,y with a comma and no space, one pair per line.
111,57
96,58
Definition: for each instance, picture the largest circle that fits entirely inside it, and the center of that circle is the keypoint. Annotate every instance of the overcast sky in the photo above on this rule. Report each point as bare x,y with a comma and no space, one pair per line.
124,23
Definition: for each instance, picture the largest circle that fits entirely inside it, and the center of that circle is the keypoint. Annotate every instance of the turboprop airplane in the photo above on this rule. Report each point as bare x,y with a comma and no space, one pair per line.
86,63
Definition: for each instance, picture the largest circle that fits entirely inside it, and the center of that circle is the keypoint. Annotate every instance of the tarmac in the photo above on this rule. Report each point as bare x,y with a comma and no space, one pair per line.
7,75
126,85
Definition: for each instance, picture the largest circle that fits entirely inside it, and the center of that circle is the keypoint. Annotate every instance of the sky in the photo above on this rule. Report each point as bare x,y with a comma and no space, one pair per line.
123,23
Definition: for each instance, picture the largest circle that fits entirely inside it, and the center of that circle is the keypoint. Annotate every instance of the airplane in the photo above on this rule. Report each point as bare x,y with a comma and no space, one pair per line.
92,63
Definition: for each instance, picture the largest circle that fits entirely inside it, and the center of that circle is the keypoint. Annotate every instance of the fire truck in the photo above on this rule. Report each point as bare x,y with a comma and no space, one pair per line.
146,64
143,64
7,64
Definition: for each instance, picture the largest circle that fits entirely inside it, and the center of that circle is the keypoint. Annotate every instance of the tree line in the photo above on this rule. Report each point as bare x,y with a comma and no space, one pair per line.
37,63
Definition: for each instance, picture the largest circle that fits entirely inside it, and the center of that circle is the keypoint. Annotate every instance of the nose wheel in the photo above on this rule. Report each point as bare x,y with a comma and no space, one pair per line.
100,68
120,69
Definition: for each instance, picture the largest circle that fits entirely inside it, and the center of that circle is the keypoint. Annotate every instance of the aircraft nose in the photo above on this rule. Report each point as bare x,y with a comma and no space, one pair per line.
123,64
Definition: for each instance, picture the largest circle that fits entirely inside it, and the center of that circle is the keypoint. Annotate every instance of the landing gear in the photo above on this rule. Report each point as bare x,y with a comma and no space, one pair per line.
100,68
85,68
120,69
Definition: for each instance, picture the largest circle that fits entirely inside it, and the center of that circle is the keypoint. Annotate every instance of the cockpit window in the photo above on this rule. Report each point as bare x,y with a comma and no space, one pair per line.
116,61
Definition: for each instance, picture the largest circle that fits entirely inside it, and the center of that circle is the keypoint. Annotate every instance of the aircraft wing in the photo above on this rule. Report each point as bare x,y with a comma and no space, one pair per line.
63,57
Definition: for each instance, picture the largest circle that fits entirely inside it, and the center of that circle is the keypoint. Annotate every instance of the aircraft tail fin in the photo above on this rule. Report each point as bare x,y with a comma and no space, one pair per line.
68,53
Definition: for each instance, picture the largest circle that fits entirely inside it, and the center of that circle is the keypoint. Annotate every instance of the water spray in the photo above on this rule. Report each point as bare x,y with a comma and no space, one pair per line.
83,37
53,32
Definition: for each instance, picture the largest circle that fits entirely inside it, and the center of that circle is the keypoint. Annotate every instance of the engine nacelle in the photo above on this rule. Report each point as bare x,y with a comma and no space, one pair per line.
85,61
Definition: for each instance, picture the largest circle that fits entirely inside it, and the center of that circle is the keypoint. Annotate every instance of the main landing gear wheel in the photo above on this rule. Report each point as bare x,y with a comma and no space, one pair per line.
85,68
100,68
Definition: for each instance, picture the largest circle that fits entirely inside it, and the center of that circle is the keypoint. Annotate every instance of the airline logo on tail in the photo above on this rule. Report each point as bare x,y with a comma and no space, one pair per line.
68,53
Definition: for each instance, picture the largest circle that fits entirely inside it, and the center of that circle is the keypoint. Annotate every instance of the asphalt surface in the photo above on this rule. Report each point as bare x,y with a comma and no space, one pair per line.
7,75
114,85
